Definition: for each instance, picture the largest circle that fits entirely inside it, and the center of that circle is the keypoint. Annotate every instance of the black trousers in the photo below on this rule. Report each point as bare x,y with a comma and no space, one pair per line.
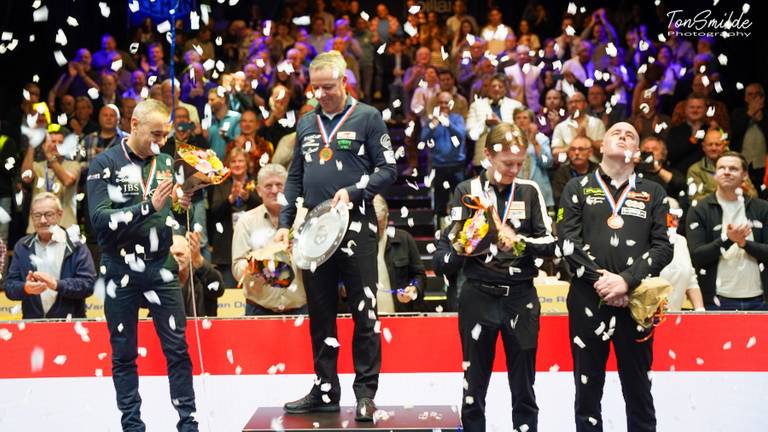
122,313
633,360
482,316
359,275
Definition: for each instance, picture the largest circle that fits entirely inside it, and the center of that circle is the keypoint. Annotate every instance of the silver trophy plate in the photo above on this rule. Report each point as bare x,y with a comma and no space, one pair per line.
320,235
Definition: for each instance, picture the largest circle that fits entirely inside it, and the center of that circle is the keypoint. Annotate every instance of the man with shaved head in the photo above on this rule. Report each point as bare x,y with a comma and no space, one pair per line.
613,233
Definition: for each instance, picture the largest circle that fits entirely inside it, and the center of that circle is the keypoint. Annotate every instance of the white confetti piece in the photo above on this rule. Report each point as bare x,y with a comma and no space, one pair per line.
476,331
152,297
752,342
230,356
577,340
207,324
142,351
332,342
40,15
37,358
5,334
60,359
672,355
727,346
105,10
387,334
172,322
699,361
554,368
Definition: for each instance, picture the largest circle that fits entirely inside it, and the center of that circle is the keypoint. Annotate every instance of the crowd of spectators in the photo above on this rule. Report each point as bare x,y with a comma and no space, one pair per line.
240,87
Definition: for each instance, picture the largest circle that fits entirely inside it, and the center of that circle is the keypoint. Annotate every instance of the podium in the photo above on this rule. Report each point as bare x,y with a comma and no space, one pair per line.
426,418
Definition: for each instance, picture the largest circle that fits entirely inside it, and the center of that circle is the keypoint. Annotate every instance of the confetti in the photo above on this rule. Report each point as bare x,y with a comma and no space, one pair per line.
752,342
105,10
142,351
60,359
476,331
727,346
152,297
332,342
37,359
40,15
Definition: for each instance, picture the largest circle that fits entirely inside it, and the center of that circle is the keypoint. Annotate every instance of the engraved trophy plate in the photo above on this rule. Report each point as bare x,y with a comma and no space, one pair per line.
320,235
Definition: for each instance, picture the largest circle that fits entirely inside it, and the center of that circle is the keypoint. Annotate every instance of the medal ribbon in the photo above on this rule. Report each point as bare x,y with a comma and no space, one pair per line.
145,184
327,138
507,206
615,205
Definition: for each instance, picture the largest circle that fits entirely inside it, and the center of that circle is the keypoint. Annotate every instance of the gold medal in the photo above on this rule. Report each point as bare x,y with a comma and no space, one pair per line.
326,154
615,222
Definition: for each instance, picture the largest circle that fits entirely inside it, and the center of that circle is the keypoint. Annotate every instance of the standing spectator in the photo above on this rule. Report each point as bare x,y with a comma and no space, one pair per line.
750,133
277,125
539,156
227,202
702,173
83,123
524,78
454,21
385,29
578,69
173,99
108,94
414,75
364,37
531,39
448,84
448,154
200,300
8,172
428,89
254,230
495,32
254,145
351,47
682,49
153,64
194,89
202,41
103,58
684,140
320,33
578,123
606,274
680,272
55,175
460,40
599,31
468,66
401,275
296,60
395,62
50,273
487,112
224,124
657,169
727,245
716,112
579,163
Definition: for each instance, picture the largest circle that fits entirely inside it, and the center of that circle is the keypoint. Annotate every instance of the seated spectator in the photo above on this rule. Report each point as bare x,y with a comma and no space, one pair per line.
445,136
455,21
599,107
579,163
126,112
448,84
702,173
484,70
460,39
684,142
82,124
577,123
402,278
488,111
282,120
414,75
552,113
679,272
524,77
539,159
657,169
750,133
728,241
79,78
255,146
223,125
50,273
208,283
255,230
107,135
103,58
194,88
56,175
138,85
468,66
203,42
300,70
647,119
108,91
227,202
173,99
153,64
716,112
67,107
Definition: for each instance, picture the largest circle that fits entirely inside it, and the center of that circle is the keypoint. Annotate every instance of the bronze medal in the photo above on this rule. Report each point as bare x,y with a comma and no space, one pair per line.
326,154
615,222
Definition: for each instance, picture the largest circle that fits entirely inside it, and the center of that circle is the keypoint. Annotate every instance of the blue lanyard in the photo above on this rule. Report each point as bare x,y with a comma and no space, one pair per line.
49,183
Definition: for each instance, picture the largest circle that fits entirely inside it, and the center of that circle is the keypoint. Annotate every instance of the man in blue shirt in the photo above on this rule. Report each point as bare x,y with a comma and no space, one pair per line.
128,190
224,124
343,152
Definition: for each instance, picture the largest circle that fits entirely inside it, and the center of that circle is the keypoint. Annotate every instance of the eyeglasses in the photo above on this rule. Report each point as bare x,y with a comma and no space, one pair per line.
48,215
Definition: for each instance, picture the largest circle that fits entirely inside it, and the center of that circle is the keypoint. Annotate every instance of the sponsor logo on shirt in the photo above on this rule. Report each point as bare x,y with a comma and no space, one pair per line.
629,211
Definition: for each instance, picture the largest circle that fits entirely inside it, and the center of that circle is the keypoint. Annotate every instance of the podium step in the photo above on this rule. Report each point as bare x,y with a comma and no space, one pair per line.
426,418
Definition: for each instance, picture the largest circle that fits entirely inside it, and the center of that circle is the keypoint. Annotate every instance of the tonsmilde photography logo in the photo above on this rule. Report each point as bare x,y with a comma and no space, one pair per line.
723,23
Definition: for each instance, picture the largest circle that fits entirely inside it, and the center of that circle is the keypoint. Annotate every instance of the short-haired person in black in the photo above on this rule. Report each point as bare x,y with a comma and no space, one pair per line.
343,152
498,296
612,231
130,188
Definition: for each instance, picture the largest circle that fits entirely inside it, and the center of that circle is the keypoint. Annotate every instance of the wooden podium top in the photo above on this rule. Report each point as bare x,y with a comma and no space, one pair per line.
426,418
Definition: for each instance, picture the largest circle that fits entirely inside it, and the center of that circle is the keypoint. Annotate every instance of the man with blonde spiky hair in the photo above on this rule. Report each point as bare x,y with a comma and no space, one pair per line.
344,153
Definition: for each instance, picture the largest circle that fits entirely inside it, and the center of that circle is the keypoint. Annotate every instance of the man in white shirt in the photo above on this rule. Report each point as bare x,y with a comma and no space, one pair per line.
524,78
254,231
577,123
729,242
487,112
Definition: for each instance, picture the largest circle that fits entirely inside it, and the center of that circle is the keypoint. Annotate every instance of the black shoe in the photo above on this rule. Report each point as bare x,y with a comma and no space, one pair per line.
364,410
310,403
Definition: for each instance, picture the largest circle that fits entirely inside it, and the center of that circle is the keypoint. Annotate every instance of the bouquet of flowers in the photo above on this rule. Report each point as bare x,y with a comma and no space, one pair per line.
200,167
273,264
476,235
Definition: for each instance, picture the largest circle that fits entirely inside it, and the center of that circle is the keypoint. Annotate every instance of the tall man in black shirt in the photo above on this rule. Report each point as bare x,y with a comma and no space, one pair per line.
498,295
129,186
343,152
612,231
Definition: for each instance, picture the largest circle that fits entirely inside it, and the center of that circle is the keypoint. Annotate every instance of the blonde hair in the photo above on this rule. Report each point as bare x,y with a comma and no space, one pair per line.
145,108
330,60
380,207
507,135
